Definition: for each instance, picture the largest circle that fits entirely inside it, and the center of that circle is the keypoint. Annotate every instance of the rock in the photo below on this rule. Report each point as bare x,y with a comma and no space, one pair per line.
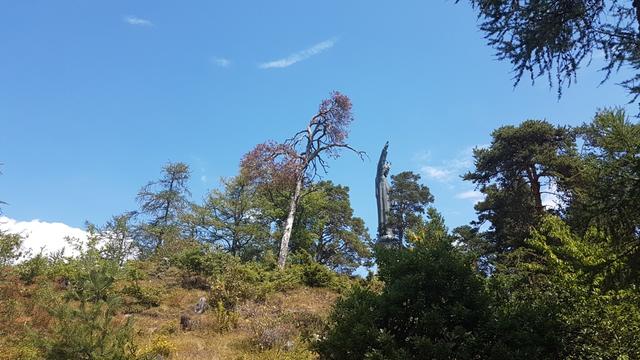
185,322
288,346
201,306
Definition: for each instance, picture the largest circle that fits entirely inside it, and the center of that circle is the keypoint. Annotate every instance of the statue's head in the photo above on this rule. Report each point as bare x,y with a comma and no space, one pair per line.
385,168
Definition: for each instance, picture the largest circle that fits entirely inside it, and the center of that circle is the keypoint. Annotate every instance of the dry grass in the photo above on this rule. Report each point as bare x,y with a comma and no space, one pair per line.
205,342
287,312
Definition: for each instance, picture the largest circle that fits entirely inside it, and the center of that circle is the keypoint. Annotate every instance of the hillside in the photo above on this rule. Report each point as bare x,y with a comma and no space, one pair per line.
251,312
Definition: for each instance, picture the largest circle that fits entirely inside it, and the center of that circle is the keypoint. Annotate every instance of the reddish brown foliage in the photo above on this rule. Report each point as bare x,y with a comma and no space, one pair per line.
271,163
280,164
334,117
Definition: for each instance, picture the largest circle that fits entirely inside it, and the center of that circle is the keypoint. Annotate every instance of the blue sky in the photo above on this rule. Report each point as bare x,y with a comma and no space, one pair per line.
96,96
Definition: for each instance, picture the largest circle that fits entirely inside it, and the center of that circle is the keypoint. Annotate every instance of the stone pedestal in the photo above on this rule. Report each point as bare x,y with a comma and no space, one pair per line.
389,241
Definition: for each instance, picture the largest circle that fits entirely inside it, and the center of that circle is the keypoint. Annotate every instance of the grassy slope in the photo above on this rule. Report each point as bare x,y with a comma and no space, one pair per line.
205,341
277,328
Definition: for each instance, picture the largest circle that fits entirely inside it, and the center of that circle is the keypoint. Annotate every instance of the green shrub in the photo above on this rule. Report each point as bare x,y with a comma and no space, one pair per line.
138,295
60,268
317,275
144,295
135,270
353,326
30,269
160,348
224,320
432,306
236,283
309,272
282,280
550,302
86,326
203,261
9,248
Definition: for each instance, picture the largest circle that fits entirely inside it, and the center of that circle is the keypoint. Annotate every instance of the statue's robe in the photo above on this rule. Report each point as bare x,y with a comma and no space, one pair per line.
382,194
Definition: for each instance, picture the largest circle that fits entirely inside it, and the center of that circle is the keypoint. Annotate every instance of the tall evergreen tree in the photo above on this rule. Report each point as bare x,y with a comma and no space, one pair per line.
514,171
409,200
234,217
556,38
327,229
607,191
162,202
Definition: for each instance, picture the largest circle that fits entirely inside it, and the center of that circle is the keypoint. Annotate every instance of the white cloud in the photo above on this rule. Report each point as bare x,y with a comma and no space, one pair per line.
220,61
474,195
136,21
449,169
437,173
299,56
41,234
203,178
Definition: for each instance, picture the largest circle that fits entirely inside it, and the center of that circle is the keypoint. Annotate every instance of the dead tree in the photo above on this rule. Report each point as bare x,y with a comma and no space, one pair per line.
300,158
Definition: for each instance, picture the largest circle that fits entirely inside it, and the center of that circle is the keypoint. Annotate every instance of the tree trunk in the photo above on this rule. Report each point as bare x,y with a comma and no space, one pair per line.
534,179
234,245
165,218
538,197
284,243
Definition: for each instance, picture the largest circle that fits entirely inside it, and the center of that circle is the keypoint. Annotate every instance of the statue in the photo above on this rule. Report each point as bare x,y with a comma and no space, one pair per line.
385,233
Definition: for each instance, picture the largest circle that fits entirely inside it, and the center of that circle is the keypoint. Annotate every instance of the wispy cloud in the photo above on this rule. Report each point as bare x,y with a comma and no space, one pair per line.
472,195
136,21
300,55
449,169
220,61
49,236
437,173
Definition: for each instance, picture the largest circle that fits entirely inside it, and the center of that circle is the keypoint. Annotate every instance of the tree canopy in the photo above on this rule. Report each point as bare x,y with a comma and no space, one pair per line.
514,171
162,202
409,200
299,159
555,39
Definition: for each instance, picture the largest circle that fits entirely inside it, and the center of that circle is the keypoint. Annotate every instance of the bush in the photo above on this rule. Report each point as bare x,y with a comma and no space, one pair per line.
203,261
138,294
235,284
86,326
281,280
224,320
144,296
353,326
160,348
317,275
9,248
33,268
545,300
550,300
433,306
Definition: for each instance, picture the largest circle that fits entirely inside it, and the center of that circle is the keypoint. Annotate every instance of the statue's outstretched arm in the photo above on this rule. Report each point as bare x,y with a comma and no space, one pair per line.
383,159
